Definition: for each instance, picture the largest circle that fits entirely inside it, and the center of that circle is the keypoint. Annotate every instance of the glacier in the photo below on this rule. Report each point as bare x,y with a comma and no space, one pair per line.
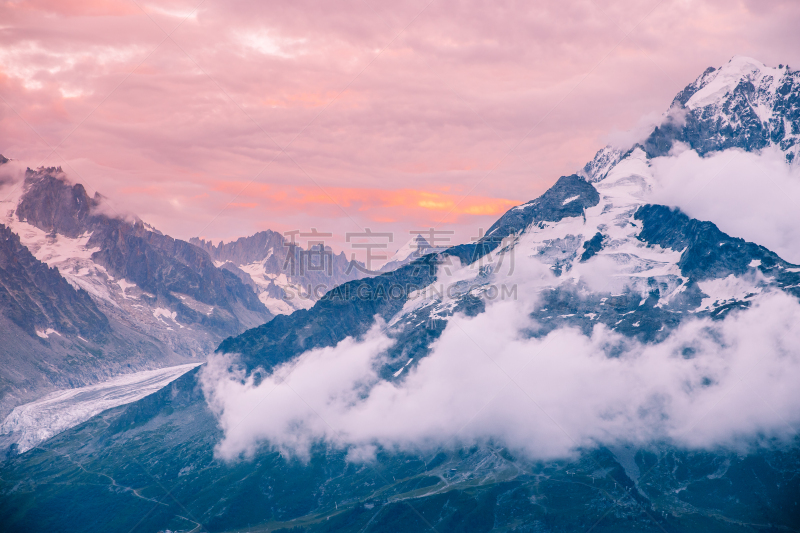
30,424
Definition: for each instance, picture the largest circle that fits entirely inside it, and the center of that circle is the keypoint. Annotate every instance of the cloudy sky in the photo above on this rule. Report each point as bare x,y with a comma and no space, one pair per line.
220,119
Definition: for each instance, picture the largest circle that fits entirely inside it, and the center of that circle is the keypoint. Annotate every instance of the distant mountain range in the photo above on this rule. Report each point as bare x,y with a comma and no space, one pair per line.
287,277
284,275
156,463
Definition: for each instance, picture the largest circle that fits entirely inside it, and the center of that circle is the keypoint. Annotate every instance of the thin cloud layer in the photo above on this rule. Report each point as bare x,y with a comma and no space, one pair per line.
493,102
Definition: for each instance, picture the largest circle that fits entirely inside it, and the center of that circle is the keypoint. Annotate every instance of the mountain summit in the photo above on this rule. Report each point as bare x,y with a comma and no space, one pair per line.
415,248
285,276
742,104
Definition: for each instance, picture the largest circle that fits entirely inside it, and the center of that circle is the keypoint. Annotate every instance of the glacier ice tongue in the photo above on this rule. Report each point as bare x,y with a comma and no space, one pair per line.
32,423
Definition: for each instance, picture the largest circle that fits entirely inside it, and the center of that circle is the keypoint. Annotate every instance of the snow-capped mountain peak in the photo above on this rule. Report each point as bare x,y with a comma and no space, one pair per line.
714,85
601,164
84,281
413,247
657,263
743,104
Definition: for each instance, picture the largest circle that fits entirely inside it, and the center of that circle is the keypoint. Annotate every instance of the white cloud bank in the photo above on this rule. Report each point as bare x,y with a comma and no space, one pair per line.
755,196
726,383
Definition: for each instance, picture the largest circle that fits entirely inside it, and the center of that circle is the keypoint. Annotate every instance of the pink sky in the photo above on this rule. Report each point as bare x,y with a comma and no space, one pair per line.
220,119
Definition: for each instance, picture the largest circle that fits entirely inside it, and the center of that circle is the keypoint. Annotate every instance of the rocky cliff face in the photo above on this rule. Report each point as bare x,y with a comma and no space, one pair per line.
155,263
53,205
55,335
37,298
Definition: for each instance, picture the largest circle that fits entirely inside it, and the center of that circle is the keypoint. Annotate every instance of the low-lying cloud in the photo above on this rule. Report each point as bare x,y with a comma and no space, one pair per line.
729,383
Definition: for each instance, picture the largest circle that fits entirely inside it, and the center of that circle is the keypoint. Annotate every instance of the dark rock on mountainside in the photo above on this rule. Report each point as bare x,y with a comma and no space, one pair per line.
592,246
569,197
35,296
54,205
708,253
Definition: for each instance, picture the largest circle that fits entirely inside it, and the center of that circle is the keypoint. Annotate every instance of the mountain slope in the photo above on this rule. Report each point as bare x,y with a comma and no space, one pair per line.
37,309
37,298
156,263
122,470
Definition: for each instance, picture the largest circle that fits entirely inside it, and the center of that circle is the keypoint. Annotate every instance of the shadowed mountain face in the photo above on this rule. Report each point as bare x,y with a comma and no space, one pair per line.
55,334
152,464
36,297
37,307
54,206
